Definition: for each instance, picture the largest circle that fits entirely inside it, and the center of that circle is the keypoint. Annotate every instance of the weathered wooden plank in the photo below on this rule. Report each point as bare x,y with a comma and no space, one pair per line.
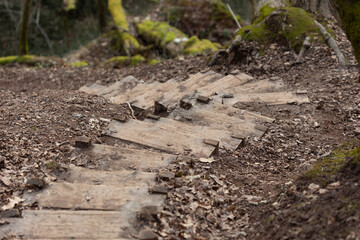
92,89
115,158
202,129
130,94
236,112
199,116
170,99
123,178
146,100
155,136
119,87
272,98
260,86
60,224
64,195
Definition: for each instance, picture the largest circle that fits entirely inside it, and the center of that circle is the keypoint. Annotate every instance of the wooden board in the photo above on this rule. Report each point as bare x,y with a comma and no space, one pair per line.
64,195
116,158
201,129
92,89
119,87
60,224
123,178
260,86
147,100
271,98
235,112
130,94
170,99
155,136
200,116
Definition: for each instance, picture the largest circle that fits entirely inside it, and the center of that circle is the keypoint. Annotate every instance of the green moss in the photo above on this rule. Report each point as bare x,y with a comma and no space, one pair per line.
298,25
350,19
79,64
17,59
122,39
71,5
194,46
125,60
51,165
153,61
159,33
330,165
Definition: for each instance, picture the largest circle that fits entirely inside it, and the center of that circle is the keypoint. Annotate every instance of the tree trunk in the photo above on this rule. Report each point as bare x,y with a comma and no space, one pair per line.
348,13
24,28
102,14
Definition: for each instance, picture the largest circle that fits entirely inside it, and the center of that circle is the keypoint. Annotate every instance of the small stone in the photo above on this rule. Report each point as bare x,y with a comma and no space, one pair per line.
148,213
147,234
275,79
120,118
158,190
203,99
82,142
165,175
36,183
10,213
235,72
333,185
357,131
316,125
313,187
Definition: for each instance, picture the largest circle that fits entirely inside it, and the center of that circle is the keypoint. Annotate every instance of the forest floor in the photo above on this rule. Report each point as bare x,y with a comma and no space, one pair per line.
266,195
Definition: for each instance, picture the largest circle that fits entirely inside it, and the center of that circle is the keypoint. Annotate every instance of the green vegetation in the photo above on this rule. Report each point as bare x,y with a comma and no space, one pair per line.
159,33
16,59
125,61
79,64
265,29
124,40
330,165
70,5
194,46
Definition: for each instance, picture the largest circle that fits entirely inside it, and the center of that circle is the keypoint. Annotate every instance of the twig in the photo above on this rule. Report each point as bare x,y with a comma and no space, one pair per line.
132,110
331,43
232,13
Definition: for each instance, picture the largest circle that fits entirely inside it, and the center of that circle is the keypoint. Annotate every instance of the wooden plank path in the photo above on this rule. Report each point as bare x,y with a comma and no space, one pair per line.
103,203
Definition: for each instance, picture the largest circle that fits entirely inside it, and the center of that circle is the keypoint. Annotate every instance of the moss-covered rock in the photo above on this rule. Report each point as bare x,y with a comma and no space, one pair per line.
163,36
329,166
348,11
122,39
194,46
285,25
79,64
124,61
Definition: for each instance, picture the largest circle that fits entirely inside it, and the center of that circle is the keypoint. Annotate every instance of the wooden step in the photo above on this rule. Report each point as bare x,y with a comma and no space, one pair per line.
148,99
260,86
60,224
119,87
130,94
201,129
170,99
198,115
235,112
63,195
92,88
123,178
155,136
116,158
271,98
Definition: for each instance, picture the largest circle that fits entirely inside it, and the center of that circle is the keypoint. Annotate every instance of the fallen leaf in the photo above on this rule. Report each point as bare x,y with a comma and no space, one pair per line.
12,203
207,160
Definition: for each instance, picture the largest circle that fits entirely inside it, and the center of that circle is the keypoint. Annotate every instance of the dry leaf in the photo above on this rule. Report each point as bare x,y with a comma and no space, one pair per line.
6,181
207,160
12,203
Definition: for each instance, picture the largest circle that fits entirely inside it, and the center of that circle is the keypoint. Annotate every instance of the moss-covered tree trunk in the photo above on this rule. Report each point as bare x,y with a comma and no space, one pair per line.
126,42
24,28
349,13
102,14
